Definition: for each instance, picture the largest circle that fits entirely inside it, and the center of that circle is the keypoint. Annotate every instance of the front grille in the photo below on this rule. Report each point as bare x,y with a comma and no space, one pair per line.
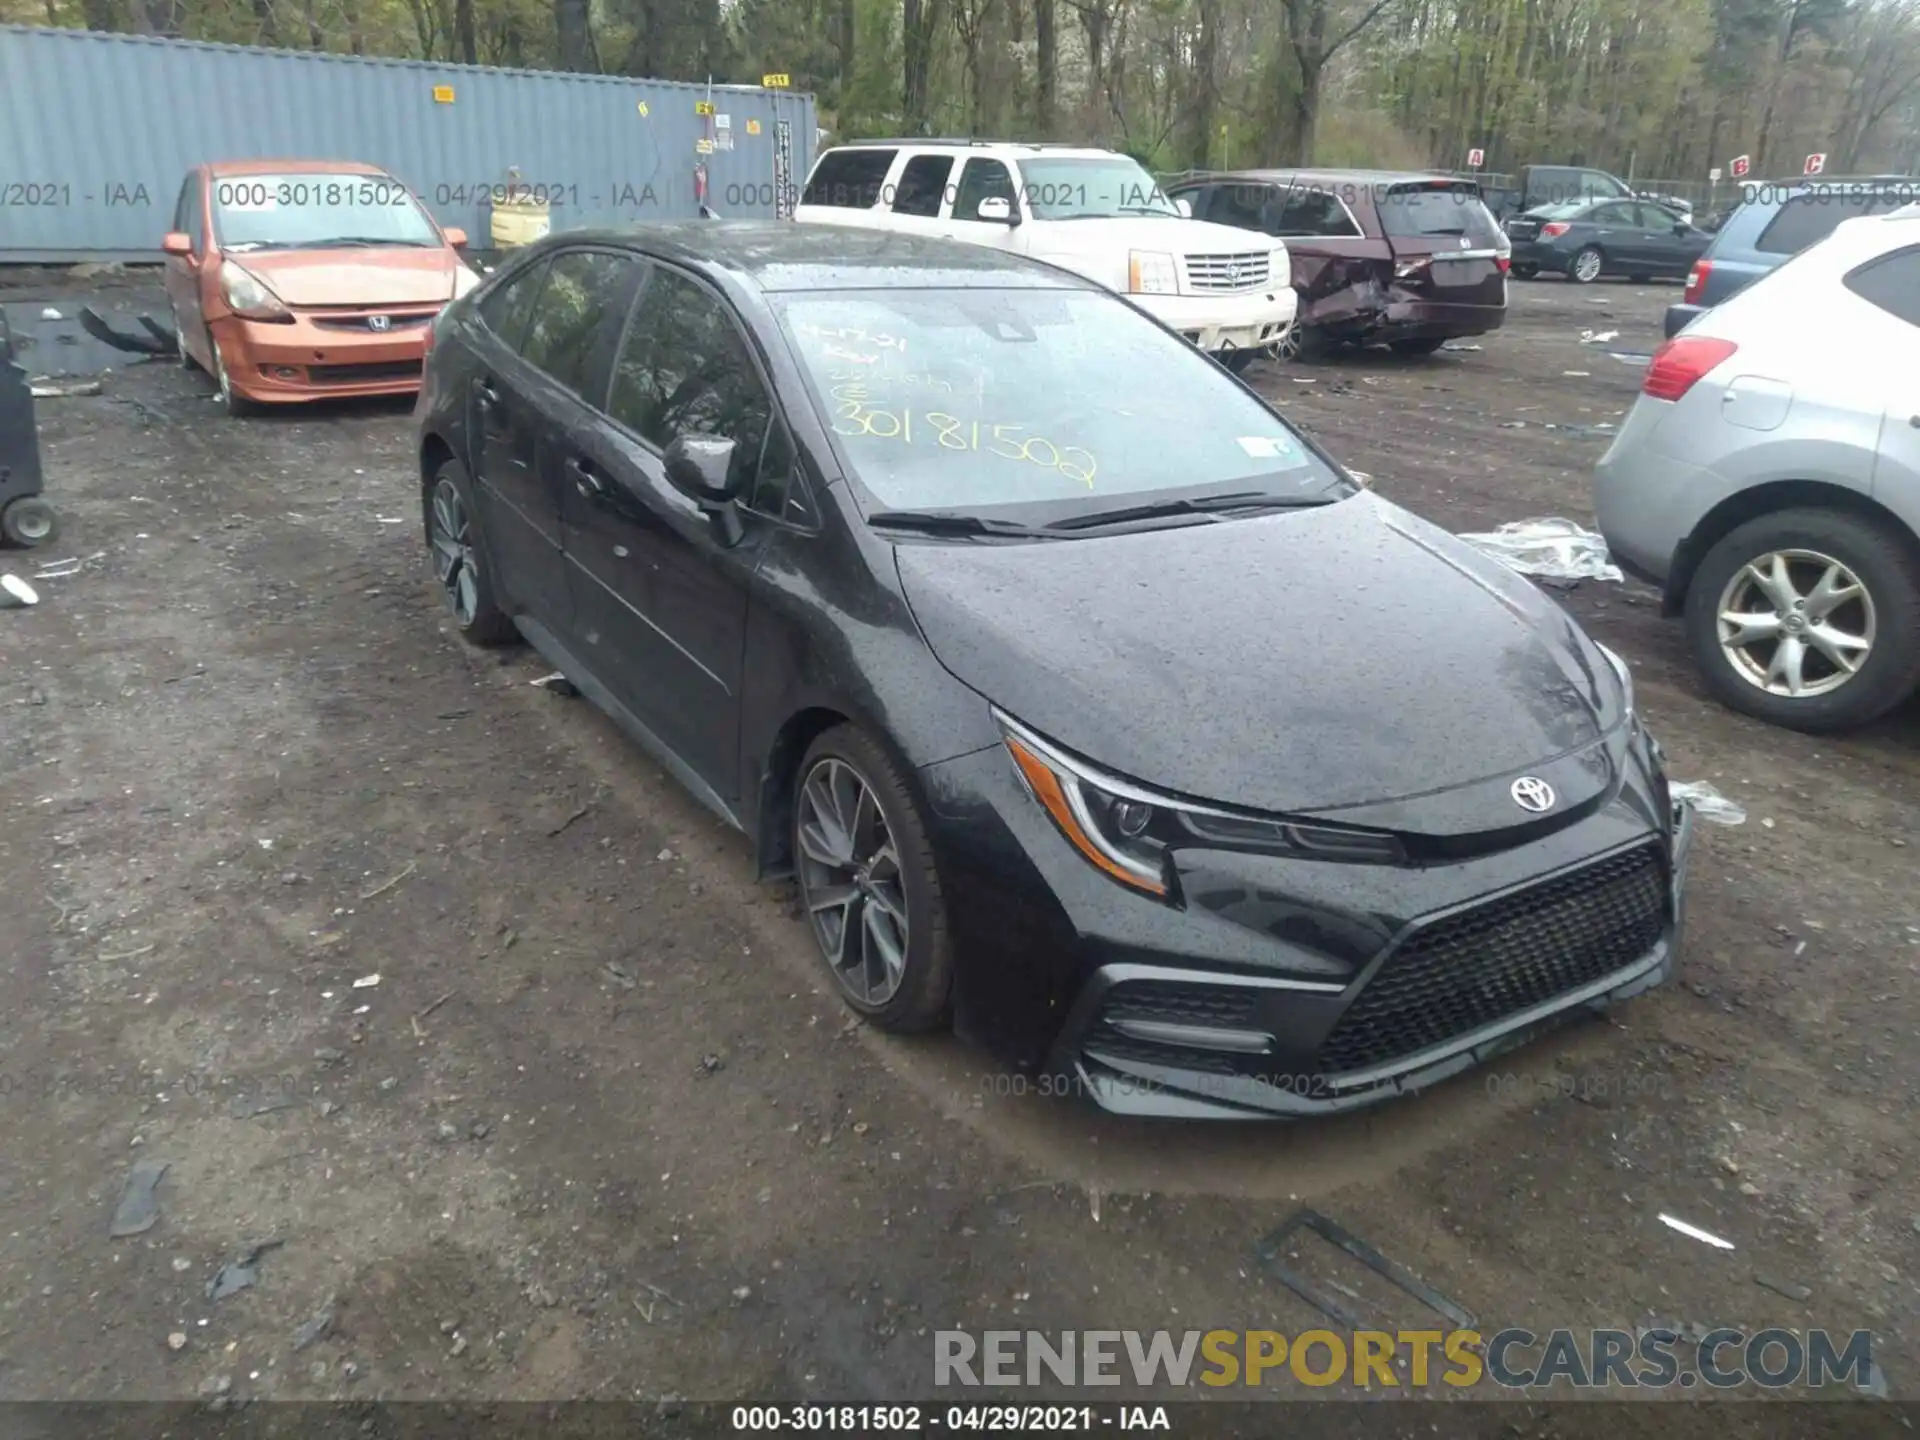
1246,271
364,374
363,324
1475,968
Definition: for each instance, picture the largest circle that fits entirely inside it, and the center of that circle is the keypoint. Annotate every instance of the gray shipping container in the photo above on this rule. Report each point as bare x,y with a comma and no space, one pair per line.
98,131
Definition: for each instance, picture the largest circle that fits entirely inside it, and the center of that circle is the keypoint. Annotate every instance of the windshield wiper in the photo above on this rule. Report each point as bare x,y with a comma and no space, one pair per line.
1199,505
1149,210
936,522
341,241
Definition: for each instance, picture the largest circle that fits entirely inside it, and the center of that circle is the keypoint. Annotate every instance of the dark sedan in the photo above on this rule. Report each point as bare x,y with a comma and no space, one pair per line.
963,587
1584,240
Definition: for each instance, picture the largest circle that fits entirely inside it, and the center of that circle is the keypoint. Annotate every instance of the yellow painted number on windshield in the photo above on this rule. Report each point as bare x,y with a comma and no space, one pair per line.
950,432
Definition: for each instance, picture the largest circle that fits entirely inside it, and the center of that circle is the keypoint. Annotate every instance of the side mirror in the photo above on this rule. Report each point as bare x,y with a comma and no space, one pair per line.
456,237
1185,207
996,207
700,467
176,243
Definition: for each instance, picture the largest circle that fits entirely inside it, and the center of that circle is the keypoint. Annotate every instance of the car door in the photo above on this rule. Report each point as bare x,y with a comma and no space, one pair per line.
1667,246
1890,283
181,274
663,600
1615,229
548,333
983,178
923,189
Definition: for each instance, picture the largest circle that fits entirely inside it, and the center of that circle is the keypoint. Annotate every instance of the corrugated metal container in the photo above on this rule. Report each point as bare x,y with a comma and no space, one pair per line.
98,131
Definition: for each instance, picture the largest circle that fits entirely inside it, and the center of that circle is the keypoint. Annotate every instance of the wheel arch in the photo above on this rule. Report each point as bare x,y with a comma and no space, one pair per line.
1744,505
435,451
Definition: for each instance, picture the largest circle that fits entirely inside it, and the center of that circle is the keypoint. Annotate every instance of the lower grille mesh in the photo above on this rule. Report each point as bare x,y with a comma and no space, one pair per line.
1477,967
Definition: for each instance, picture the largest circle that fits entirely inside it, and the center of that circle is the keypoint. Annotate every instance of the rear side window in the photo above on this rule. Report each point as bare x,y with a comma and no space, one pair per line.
1804,219
1312,212
849,179
1892,282
506,309
1439,208
586,292
923,184
1244,206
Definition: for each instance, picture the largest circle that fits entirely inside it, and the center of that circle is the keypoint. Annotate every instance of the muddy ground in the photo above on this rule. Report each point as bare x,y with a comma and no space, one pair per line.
600,1129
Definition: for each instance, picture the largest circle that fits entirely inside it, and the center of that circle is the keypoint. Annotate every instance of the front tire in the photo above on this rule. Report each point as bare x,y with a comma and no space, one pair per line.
1587,266
1303,344
236,405
870,884
457,547
1808,619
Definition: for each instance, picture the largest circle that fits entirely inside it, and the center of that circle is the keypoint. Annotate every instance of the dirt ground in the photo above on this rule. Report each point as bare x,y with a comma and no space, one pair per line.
601,1130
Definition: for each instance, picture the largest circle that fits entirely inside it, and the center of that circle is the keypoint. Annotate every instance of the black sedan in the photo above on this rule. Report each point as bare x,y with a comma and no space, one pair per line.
1586,239
1092,708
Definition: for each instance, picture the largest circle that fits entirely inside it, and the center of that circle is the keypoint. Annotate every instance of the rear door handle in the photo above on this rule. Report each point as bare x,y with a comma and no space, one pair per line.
585,479
488,397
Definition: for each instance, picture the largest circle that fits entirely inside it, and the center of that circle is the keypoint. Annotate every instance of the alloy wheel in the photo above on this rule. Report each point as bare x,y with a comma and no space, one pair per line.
850,881
1796,623
1586,266
453,555
31,523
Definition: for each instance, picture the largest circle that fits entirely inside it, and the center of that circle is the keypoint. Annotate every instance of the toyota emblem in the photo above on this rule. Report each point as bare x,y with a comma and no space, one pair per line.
1532,793
379,322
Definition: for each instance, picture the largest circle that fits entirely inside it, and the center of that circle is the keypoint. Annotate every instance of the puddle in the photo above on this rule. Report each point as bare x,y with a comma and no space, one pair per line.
60,349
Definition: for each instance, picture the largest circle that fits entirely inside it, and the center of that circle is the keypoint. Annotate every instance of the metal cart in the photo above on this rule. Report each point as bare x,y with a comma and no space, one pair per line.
25,519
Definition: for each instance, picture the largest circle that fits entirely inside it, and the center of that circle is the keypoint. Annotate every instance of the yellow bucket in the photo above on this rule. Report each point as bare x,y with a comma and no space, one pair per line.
519,222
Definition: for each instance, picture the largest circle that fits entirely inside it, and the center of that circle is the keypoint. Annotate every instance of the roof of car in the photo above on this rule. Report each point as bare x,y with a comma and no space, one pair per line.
950,142
1335,177
293,167
779,255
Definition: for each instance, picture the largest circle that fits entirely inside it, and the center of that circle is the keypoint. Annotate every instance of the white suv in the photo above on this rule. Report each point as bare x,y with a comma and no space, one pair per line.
1094,212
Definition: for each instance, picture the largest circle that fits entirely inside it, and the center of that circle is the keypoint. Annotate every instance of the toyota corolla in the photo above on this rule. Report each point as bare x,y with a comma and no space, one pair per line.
1092,708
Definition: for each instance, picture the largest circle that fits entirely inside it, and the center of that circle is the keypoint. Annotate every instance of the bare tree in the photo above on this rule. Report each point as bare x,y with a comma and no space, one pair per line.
1308,28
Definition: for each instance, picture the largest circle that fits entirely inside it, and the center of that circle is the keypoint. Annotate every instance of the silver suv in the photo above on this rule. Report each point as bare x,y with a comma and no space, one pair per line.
1768,479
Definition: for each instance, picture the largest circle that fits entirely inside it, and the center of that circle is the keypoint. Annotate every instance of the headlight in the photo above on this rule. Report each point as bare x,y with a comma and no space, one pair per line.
1127,831
247,297
464,281
1151,273
1280,270
1626,676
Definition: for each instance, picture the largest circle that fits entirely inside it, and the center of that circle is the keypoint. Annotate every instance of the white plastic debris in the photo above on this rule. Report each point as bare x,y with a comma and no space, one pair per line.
1598,337
1551,548
50,314
1694,1232
15,592
1708,803
366,982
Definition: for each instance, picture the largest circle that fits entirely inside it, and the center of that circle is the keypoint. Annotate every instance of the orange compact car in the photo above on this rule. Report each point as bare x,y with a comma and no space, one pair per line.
305,280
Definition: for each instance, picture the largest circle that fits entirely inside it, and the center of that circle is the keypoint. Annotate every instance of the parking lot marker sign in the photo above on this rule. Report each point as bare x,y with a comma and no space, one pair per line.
1713,175
1815,164
1475,159
1740,166
443,94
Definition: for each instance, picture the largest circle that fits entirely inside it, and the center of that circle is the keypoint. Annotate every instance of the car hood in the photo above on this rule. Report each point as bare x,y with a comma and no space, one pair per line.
1169,236
355,277
1346,657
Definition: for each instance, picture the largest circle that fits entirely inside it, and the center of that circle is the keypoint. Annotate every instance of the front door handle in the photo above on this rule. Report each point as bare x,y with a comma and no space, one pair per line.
585,479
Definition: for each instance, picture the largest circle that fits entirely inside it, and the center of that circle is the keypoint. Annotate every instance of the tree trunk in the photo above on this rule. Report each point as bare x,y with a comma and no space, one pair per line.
356,32
157,17
1306,112
316,37
570,20
845,40
1046,84
1206,91
466,42
920,20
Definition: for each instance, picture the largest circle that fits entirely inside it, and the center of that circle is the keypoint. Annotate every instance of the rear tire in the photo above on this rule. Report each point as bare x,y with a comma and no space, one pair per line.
870,884
1525,272
458,549
1426,345
1812,544
1587,266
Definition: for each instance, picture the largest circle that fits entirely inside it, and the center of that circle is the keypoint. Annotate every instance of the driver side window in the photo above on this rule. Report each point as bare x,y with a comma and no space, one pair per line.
982,180
684,370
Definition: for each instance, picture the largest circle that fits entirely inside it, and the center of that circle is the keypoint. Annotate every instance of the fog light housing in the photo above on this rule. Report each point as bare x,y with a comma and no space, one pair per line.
1131,818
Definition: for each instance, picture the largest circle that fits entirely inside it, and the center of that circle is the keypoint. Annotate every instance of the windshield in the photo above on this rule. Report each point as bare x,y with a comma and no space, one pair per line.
312,211
1065,189
1565,210
1067,402
1414,212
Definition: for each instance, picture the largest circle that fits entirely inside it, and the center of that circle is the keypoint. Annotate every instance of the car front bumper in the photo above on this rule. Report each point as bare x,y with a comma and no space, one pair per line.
1225,322
318,358
1285,987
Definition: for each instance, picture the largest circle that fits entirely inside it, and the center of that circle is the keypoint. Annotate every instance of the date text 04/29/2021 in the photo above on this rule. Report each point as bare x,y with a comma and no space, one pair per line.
909,1419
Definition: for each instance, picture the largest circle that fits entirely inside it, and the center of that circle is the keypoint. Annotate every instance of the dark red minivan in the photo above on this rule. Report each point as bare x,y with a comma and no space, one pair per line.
1379,257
